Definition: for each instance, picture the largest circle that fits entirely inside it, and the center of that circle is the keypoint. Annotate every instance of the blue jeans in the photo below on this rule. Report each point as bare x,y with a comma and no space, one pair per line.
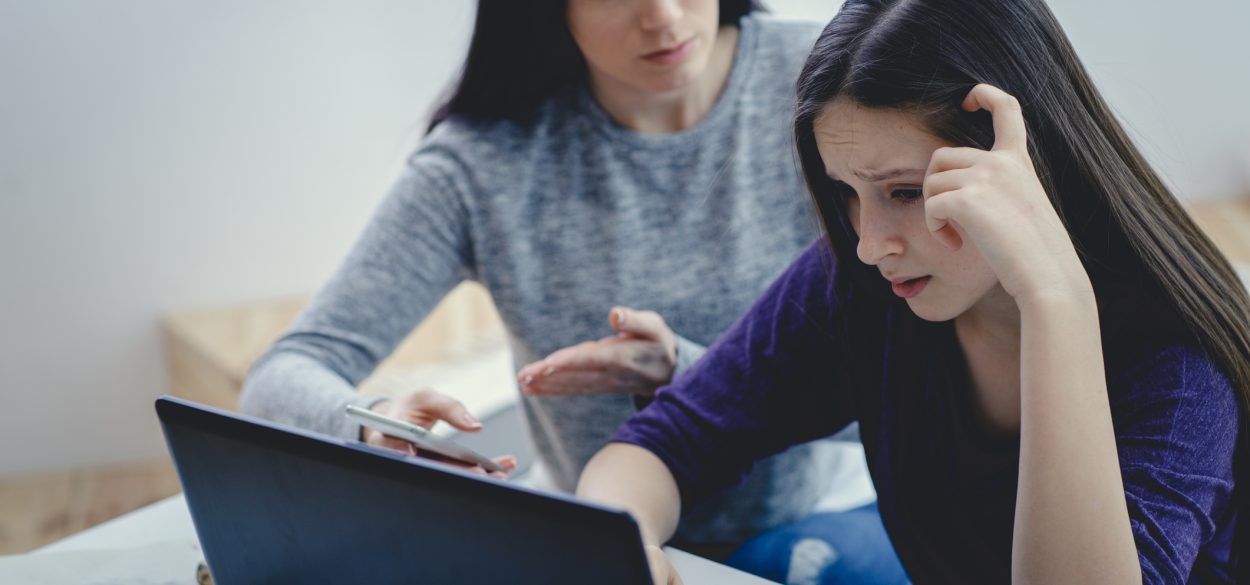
825,548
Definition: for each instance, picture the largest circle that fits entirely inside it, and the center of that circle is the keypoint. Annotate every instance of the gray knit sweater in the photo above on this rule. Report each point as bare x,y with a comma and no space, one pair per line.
561,218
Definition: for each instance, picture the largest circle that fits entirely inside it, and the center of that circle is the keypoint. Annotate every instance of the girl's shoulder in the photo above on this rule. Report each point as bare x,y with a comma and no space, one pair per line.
1158,371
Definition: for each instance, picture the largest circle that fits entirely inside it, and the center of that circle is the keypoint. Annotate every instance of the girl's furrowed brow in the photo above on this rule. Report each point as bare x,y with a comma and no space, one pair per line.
872,176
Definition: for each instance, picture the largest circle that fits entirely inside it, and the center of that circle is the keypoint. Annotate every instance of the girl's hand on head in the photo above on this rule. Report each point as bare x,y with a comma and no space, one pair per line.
995,200
640,358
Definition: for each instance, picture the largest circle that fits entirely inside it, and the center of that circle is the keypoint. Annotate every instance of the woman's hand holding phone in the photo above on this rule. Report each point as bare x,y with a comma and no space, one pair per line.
425,407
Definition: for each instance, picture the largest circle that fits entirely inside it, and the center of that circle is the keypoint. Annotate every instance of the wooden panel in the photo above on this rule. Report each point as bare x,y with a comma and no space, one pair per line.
1227,223
110,492
209,351
40,509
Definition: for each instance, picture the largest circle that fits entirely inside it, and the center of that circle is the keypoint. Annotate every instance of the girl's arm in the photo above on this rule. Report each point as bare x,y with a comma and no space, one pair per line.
1072,522
1157,490
632,478
768,383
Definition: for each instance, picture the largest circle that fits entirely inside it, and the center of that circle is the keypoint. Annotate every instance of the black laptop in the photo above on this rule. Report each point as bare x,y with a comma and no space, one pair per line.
275,504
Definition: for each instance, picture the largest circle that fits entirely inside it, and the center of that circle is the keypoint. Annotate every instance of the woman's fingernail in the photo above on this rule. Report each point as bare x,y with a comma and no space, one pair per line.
549,371
525,381
620,317
470,420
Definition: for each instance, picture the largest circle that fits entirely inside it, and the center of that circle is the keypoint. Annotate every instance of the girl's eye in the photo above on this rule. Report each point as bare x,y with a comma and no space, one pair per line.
907,195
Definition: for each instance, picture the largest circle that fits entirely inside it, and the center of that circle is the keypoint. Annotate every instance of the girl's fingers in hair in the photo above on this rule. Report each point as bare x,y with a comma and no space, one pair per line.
953,157
945,181
1009,129
939,218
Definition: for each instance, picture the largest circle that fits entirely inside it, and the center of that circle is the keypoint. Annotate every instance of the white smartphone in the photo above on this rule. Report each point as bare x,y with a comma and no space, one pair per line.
421,437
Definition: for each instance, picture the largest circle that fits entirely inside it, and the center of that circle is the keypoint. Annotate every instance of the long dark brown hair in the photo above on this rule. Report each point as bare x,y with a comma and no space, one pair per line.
924,56
522,53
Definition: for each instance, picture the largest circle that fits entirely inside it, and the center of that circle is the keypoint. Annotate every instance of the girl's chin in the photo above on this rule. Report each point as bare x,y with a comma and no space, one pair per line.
930,311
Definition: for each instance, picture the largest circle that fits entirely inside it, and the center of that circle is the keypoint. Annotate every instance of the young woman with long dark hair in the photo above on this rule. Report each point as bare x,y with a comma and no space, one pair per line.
1049,362
627,153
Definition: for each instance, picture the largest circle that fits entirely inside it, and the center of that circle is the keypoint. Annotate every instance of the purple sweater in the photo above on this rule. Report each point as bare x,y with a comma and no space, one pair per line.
817,352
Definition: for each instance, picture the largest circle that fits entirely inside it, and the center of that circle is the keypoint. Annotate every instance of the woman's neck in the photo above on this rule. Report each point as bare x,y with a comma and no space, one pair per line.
665,113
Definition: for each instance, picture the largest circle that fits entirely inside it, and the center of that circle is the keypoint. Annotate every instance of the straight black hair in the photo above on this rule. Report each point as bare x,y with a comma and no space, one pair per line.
924,56
522,53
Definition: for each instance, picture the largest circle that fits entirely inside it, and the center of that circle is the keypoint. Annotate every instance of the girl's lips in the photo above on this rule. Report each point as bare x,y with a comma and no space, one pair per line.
670,56
910,288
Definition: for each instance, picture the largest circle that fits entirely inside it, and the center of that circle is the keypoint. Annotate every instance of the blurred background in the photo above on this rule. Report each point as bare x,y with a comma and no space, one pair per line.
177,175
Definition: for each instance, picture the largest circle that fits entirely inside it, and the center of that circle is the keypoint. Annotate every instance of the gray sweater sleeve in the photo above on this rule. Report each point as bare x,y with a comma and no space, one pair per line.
688,352
414,250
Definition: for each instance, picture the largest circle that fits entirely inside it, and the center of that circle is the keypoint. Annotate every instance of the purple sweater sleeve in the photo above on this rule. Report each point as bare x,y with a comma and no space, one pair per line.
771,381
1176,423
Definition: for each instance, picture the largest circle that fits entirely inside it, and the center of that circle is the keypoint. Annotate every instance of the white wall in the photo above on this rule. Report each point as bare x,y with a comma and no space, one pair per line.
157,155
1178,74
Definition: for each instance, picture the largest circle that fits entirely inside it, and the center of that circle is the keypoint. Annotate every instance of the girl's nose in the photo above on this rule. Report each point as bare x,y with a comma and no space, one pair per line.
877,237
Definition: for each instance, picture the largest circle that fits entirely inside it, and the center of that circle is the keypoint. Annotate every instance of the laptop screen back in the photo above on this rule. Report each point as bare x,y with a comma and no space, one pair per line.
277,505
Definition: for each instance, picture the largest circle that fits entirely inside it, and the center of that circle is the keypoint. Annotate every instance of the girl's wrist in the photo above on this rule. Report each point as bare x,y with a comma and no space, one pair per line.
1060,299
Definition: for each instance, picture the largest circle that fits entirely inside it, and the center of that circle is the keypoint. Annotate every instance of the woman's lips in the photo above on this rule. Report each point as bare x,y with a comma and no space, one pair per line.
672,55
910,287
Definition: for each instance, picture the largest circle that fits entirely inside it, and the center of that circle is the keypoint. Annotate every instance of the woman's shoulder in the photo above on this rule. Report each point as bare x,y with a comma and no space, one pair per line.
473,140
471,136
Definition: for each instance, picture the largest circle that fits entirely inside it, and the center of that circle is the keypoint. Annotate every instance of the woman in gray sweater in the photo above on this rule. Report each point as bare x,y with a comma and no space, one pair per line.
595,156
